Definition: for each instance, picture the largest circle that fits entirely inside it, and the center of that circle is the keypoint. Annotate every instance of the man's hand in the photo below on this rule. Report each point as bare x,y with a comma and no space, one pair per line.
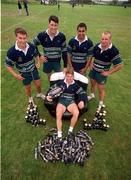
113,70
19,77
49,98
81,105
82,71
43,59
105,73
64,70
38,65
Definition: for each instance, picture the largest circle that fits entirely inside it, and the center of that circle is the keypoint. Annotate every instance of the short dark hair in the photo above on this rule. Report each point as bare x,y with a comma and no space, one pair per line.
82,25
53,18
20,30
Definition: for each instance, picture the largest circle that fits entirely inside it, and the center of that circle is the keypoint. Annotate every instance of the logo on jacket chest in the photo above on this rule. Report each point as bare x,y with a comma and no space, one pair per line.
19,59
74,47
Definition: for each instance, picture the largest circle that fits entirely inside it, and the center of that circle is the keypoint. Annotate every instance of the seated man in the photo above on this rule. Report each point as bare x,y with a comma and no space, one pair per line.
67,101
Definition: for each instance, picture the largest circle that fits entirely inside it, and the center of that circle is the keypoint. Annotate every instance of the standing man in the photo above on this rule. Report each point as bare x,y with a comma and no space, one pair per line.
67,101
22,55
26,6
54,46
19,7
105,54
80,50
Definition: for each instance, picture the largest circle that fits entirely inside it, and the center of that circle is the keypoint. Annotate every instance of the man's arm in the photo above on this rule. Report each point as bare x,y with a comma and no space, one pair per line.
36,43
17,76
89,60
38,62
64,57
81,94
64,52
9,63
69,60
112,70
116,61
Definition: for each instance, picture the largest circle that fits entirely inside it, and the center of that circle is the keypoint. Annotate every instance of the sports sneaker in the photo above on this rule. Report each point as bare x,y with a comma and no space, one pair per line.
70,133
40,95
101,106
91,96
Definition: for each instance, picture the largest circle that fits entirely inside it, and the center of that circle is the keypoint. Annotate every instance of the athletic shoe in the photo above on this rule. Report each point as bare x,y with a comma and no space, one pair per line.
70,133
40,95
91,96
101,106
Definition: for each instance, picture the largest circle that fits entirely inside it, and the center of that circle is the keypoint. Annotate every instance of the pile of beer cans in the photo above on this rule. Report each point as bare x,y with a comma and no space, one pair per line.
99,121
32,115
71,149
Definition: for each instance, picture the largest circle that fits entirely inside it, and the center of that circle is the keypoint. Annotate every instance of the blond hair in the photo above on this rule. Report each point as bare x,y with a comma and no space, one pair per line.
107,33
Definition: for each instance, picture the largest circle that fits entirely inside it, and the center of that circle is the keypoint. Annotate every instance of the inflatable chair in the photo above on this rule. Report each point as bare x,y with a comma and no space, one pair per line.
55,92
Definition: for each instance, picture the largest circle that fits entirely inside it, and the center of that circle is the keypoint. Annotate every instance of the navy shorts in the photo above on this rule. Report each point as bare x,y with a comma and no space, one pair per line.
48,67
65,101
30,76
100,79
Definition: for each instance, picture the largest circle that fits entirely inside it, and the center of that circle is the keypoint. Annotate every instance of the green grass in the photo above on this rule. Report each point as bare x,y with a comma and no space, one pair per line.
110,157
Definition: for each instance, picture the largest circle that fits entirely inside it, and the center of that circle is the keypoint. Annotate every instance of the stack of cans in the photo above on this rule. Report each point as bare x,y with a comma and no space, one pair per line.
99,121
32,115
71,149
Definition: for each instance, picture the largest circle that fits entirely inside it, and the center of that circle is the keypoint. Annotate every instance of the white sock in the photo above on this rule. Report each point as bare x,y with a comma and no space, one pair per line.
92,95
31,98
100,103
70,129
59,134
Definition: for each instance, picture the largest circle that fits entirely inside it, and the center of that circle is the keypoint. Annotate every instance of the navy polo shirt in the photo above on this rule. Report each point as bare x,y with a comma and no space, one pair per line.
72,90
104,59
80,52
24,62
53,48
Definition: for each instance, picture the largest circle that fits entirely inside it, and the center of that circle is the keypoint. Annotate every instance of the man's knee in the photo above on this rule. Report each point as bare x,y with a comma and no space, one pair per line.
101,88
59,111
37,82
28,87
75,113
81,105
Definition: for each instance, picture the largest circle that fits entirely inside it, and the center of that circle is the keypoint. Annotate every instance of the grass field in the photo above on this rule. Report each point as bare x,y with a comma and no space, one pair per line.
111,155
